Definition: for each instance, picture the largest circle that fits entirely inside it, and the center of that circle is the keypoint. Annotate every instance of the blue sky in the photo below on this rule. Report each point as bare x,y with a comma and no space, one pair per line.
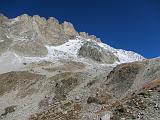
127,24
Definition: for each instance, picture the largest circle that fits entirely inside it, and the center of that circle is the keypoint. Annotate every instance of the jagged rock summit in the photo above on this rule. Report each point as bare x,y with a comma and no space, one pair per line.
50,71
24,34
33,36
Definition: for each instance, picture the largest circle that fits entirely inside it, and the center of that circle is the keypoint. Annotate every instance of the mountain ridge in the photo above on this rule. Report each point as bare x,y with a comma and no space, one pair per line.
38,32
49,71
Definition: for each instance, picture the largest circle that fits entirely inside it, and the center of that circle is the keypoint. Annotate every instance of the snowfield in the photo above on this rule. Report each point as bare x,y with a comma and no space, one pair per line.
69,50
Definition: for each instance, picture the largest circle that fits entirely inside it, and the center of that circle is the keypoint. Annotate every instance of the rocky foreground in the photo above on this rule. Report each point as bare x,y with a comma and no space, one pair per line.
49,71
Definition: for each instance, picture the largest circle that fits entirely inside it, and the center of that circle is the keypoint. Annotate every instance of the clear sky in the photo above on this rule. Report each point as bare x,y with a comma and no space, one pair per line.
127,24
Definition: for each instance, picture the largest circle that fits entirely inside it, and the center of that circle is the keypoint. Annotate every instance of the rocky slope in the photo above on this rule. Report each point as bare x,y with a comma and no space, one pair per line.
49,71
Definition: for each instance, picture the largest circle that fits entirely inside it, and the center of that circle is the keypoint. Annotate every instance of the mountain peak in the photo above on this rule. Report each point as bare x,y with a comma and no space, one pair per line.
50,71
51,22
29,35
69,29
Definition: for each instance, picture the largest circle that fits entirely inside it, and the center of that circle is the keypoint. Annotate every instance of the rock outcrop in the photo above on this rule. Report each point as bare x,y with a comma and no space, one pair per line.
69,30
97,53
87,36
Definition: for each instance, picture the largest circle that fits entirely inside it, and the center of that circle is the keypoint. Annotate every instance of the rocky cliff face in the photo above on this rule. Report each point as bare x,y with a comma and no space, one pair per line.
49,71
27,33
97,53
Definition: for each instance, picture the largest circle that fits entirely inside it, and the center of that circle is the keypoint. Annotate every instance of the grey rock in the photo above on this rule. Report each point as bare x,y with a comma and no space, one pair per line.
95,52
87,36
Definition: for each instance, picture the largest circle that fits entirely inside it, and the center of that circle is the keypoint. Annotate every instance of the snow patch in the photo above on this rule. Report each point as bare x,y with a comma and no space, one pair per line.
124,56
71,47
1,41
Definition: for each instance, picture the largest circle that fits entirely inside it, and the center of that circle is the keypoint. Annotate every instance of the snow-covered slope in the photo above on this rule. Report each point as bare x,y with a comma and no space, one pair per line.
69,50
33,38
123,55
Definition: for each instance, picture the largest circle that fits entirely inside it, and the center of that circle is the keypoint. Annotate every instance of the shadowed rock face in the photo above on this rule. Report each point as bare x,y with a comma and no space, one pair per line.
94,52
129,77
122,77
